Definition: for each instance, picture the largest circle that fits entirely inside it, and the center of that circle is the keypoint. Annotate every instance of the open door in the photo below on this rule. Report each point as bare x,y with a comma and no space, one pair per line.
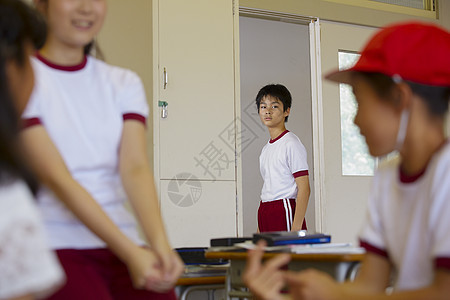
347,171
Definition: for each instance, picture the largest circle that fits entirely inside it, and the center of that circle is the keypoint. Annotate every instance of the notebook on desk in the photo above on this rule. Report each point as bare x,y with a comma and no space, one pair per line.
279,238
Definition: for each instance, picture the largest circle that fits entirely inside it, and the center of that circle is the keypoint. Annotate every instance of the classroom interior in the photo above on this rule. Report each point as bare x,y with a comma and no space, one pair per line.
202,63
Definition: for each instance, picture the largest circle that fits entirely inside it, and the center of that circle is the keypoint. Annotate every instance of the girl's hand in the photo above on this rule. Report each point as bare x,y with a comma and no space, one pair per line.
171,266
265,281
312,285
145,270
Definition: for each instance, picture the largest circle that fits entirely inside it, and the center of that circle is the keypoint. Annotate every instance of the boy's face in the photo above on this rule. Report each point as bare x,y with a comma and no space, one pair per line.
271,112
377,119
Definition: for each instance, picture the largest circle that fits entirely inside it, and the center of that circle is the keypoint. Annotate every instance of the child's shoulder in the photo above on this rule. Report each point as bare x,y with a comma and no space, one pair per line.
119,75
292,139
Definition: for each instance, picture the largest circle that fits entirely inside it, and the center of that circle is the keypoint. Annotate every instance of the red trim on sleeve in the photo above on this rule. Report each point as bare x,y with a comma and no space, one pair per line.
301,173
30,122
279,137
371,248
442,262
134,116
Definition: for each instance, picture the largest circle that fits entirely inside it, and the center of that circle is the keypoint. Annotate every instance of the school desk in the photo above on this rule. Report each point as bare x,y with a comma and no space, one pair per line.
340,266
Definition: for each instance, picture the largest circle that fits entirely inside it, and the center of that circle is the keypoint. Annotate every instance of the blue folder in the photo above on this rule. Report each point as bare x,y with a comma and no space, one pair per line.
279,238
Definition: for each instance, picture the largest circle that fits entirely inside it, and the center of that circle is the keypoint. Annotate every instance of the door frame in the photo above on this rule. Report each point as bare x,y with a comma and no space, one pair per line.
316,104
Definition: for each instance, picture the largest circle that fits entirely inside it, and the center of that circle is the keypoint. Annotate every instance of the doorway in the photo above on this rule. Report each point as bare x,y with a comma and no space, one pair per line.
273,51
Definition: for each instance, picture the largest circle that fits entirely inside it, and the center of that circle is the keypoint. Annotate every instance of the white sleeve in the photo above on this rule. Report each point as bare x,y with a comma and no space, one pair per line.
297,157
27,265
132,98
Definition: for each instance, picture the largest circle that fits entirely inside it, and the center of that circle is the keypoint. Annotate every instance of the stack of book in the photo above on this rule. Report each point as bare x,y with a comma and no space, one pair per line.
281,238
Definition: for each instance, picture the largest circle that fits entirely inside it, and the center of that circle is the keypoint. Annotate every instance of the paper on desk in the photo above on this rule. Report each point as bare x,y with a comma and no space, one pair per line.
249,245
329,248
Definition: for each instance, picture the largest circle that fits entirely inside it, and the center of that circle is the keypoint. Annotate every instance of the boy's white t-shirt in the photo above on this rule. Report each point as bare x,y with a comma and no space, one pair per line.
83,109
281,161
27,265
409,220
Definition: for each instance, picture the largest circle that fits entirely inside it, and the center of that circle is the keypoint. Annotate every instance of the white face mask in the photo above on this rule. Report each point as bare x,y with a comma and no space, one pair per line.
404,119
401,134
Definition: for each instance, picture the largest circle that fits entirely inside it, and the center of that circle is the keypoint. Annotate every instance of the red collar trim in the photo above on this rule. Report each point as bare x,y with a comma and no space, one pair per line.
52,65
279,137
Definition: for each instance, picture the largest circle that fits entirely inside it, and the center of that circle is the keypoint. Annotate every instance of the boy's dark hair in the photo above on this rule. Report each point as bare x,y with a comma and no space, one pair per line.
19,24
277,91
436,97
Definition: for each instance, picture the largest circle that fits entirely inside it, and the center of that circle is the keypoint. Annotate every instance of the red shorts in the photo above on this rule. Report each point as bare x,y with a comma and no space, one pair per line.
97,274
277,215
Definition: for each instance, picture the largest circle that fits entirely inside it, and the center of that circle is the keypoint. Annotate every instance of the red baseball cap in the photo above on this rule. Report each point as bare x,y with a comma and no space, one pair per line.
417,52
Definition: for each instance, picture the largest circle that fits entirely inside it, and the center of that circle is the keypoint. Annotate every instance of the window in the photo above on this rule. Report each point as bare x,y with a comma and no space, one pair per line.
420,4
418,8
356,160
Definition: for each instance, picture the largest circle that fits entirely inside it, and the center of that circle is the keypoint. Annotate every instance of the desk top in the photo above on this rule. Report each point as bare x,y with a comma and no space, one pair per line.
335,257
201,280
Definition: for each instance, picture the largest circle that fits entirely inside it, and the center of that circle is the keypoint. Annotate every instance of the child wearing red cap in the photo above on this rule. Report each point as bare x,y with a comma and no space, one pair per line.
402,86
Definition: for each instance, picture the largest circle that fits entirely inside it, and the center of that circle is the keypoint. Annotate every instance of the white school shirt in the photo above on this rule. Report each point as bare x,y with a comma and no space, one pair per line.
281,161
409,220
27,265
83,108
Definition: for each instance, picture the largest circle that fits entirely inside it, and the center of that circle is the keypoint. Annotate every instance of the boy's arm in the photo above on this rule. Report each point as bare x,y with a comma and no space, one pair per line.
373,278
140,188
302,201
370,284
319,286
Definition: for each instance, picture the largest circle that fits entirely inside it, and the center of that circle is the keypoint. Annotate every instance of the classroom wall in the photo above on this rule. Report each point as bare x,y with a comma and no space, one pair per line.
126,38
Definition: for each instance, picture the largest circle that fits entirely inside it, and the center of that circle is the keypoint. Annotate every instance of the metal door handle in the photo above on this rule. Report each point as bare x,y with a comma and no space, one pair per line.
165,78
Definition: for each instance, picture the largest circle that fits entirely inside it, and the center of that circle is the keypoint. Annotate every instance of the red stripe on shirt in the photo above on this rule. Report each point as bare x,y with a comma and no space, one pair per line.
133,116
373,249
442,262
30,122
279,137
301,173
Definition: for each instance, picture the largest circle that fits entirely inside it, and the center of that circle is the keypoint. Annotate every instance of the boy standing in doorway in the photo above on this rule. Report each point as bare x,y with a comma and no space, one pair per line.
283,166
